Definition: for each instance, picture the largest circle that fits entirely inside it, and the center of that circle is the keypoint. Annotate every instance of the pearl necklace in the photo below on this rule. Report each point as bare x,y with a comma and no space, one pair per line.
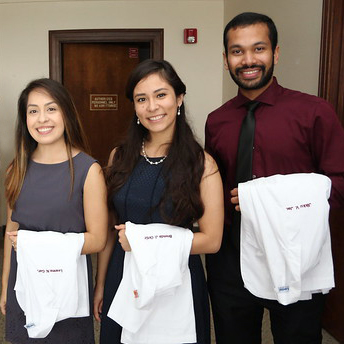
146,158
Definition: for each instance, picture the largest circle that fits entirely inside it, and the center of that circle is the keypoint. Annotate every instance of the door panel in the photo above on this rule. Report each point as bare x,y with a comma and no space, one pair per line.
96,74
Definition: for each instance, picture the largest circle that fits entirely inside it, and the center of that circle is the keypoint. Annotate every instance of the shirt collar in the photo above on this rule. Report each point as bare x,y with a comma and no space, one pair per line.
267,97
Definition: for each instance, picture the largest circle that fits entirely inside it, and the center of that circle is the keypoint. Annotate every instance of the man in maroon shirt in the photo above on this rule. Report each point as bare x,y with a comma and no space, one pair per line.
294,133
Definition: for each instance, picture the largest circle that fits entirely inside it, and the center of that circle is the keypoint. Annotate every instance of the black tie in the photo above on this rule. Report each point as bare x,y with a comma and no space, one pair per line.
245,146
244,166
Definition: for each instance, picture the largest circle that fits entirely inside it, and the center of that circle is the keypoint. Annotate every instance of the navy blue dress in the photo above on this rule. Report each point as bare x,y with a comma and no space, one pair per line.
134,202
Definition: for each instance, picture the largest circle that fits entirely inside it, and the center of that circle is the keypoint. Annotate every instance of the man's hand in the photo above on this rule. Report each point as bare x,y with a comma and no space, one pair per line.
235,199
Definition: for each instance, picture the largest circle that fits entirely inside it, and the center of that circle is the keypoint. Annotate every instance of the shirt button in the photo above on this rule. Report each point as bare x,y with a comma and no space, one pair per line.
254,176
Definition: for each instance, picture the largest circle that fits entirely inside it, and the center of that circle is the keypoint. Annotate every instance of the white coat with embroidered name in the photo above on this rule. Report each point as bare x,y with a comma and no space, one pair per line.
154,302
52,282
285,236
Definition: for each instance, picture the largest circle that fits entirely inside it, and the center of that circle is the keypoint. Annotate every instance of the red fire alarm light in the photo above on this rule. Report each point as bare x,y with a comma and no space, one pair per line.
190,36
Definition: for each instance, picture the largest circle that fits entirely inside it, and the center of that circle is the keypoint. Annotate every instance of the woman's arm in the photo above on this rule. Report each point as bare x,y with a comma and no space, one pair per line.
208,239
10,227
95,211
103,259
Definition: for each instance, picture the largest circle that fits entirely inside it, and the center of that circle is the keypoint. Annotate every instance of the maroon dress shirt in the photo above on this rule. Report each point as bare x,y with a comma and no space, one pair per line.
295,133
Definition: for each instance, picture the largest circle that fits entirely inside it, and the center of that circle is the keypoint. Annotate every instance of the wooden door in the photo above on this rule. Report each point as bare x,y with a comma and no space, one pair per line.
94,66
96,74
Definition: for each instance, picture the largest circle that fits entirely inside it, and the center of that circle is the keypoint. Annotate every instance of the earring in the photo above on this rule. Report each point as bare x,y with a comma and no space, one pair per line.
138,121
178,111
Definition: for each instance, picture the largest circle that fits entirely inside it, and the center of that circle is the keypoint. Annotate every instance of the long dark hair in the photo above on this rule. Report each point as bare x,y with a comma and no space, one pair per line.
24,143
184,166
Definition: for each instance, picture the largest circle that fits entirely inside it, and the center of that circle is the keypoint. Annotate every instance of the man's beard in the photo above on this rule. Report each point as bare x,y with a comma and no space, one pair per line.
264,80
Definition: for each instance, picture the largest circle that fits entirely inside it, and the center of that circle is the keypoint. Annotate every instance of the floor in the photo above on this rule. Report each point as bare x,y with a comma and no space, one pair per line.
266,333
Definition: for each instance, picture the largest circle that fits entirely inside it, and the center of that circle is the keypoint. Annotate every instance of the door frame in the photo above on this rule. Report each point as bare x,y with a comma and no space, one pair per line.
155,38
331,88
331,69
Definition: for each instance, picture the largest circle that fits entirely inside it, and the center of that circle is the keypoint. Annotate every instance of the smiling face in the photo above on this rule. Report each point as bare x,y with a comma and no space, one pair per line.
250,58
44,119
156,105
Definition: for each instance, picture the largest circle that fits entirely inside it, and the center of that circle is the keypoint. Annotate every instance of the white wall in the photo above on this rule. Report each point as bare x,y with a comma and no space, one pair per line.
24,27
299,28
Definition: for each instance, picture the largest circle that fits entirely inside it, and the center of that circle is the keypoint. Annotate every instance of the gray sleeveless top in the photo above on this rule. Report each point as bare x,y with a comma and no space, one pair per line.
45,203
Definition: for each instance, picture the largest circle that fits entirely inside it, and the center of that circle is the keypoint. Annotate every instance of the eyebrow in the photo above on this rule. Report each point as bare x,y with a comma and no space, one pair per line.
240,46
156,91
53,102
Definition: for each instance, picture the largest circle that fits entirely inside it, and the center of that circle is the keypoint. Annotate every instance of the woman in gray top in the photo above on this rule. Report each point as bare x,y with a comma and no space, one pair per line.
51,185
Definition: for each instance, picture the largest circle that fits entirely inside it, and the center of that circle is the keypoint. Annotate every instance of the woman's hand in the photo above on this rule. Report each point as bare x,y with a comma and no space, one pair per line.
122,238
13,237
98,302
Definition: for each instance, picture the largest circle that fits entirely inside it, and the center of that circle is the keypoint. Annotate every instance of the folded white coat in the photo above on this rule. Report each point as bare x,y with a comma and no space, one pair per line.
154,302
285,236
52,283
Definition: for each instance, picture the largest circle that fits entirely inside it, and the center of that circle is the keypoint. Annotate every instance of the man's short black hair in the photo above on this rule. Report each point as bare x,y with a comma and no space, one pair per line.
250,18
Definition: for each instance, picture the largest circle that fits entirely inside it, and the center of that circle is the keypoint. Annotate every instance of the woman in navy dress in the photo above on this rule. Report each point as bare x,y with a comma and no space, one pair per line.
51,185
160,174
